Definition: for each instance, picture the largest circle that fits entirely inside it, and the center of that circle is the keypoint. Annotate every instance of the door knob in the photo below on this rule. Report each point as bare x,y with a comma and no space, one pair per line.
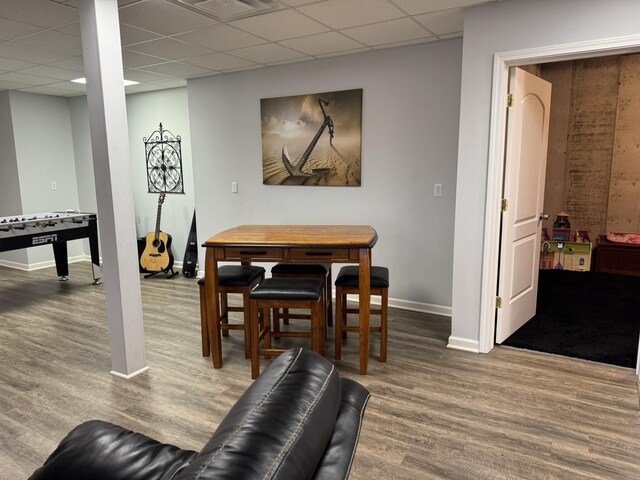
544,216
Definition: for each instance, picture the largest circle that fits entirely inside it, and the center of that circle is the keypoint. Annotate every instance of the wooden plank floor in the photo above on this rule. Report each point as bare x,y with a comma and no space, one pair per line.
435,413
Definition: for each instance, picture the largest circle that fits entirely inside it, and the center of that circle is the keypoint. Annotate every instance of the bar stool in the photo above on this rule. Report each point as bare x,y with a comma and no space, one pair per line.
231,279
303,270
347,282
274,293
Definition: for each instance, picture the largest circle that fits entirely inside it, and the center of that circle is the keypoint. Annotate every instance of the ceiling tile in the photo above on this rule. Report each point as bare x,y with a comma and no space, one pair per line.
5,85
11,64
56,41
442,23
28,53
169,48
219,61
416,41
10,29
52,72
49,90
346,52
279,25
143,76
162,17
76,87
415,7
70,29
342,14
135,59
450,35
394,31
220,38
130,35
268,53
178,69
297,3
322,43
41,13
23,78
73,63
173,83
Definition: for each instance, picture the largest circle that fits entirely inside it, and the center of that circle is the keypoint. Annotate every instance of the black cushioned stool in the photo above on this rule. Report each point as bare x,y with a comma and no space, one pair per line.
347,282
303,270
231,279
274,293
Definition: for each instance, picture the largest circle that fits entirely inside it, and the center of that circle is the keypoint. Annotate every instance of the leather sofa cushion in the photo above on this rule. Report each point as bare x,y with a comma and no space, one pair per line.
338,456
301,268
280,427
349,277
97,450
288,289
237,275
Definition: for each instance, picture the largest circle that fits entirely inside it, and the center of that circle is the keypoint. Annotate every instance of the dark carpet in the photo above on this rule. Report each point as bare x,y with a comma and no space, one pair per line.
589,315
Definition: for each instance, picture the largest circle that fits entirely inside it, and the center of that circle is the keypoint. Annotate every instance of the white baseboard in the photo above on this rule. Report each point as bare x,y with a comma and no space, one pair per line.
466,344
28,267
131,375
16,265
407,305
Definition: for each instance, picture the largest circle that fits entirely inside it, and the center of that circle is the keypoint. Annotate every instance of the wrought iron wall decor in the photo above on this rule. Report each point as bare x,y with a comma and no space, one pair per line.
163,153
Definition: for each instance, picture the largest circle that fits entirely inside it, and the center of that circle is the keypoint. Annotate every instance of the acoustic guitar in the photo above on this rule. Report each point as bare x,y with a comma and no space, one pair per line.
157,256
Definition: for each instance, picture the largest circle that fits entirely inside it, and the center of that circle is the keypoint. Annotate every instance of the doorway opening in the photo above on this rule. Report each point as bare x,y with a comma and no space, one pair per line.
491,237
586,309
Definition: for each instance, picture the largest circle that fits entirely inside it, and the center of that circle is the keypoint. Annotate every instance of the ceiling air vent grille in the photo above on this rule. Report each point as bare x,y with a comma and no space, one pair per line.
227,10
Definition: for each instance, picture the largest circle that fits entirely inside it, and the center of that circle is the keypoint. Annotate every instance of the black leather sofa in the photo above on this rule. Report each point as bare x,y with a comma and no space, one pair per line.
298,420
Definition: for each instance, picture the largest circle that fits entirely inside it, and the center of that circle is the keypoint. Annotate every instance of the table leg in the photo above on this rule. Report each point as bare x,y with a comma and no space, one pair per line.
211,291
61,258
364,297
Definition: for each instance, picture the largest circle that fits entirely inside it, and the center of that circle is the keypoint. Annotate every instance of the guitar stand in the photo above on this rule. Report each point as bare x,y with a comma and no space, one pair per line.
165,271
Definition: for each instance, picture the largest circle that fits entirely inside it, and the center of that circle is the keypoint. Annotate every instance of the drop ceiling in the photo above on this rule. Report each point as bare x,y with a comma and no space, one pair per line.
166,42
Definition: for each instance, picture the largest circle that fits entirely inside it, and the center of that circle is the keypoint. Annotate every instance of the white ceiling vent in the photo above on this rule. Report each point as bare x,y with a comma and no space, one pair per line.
226,10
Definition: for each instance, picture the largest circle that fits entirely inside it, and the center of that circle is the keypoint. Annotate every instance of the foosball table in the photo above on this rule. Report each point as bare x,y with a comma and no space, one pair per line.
55,228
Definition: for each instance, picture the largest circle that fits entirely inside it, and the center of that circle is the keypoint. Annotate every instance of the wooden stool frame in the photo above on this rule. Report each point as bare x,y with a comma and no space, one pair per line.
223,317
341,318
261,328
285,316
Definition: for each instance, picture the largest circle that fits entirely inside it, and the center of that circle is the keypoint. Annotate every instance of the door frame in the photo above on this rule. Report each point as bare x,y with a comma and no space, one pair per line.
502,61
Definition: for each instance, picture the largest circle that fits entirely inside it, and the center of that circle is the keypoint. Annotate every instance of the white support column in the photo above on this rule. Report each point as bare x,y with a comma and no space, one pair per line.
110,147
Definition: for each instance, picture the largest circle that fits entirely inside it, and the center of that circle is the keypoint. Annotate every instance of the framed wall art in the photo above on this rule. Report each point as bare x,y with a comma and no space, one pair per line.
312,139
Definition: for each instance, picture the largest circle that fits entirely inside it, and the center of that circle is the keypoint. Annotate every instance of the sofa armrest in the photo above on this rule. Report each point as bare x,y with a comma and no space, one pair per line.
100,450
338,457
279,428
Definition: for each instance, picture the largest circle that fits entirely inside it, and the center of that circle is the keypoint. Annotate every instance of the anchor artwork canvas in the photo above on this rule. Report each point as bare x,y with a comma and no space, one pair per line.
312,139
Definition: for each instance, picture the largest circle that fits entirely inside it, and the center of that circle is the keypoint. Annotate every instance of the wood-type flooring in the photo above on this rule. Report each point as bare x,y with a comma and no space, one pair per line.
435,413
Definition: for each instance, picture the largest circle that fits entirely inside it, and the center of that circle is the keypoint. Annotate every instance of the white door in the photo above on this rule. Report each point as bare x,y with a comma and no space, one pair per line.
525,165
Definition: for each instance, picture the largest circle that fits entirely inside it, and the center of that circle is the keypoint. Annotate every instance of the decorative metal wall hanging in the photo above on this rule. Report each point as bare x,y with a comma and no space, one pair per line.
312,139
164,162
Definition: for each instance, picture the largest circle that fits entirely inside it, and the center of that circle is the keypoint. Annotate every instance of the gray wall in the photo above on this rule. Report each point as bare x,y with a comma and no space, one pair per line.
503,27
45,139
144,112
43,154
409,142
10,200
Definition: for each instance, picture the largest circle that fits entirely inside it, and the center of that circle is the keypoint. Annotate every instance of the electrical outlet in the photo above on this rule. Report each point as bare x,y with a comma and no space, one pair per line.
54,186
437,190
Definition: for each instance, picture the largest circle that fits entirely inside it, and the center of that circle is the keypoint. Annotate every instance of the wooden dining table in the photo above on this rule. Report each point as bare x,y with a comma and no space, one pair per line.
291,243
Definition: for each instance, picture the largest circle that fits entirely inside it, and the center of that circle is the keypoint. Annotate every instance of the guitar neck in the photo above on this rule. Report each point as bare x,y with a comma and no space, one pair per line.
157,234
